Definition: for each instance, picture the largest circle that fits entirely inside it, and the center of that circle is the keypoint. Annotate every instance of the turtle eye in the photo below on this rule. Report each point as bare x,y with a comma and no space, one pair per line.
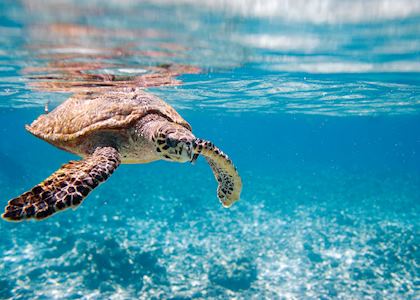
171,142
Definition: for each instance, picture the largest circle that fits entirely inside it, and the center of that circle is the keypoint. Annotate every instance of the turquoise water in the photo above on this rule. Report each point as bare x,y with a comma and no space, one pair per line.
317,104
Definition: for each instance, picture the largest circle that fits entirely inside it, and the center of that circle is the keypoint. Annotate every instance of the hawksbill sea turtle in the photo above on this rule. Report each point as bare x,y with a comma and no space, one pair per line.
107,129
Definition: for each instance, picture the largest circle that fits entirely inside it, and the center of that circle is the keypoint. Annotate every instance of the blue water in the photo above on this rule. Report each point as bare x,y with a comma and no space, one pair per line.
317,104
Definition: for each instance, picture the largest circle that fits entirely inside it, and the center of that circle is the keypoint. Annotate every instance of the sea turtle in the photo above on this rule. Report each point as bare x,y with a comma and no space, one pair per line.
107,129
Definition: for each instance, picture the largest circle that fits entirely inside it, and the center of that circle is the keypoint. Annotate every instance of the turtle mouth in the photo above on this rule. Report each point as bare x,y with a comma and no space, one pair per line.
194,153
193,156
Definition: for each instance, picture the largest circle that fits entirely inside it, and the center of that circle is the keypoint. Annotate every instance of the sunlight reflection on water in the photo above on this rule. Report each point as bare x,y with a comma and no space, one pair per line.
95,44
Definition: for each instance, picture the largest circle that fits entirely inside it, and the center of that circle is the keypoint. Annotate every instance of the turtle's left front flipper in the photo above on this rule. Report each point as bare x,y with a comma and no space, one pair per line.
65,188
230,183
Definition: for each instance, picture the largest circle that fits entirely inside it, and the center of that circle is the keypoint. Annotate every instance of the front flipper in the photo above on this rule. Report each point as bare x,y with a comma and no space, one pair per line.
65,188
230,183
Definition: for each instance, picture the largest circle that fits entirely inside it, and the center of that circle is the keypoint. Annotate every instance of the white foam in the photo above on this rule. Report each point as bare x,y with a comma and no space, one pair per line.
282,42
327,67
314,11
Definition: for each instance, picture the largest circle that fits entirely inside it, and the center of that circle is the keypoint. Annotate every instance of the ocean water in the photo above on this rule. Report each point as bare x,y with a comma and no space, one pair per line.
317,103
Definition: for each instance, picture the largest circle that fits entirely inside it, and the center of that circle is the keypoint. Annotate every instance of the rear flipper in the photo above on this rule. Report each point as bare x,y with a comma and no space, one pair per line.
67,187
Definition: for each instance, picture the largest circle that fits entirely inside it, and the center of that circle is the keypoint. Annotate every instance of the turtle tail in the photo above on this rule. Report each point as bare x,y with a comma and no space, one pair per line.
230,183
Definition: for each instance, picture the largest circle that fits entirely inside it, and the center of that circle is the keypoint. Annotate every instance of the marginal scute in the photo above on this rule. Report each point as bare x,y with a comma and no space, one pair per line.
85,113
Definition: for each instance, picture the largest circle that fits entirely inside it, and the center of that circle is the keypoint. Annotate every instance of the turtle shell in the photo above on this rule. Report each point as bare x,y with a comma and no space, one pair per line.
83,114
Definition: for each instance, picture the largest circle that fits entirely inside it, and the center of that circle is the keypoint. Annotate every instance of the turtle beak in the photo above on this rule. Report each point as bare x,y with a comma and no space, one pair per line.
194,154
194,158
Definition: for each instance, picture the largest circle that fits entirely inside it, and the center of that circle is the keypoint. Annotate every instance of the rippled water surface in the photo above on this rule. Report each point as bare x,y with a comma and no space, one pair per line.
316,102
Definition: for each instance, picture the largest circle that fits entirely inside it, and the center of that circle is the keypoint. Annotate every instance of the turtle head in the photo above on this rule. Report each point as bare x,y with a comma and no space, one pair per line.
175,143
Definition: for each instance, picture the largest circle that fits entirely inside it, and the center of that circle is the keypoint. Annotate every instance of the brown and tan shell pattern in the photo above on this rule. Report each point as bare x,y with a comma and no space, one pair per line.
85,113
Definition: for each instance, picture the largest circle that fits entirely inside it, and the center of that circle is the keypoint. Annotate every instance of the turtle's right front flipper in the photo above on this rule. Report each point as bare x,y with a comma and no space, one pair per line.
65,188
230,183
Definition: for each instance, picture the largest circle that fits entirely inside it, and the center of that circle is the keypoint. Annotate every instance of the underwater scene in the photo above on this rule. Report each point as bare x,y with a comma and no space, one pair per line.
316,103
